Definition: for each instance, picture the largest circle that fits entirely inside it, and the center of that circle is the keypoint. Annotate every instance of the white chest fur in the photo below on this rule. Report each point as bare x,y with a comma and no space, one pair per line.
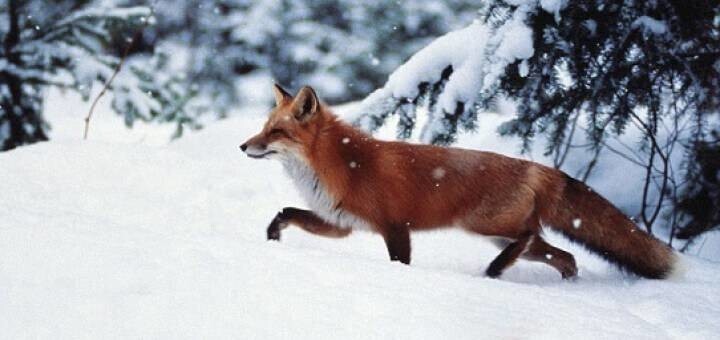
317,197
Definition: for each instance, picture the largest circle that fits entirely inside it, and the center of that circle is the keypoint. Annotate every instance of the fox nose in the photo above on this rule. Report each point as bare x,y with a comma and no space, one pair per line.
243,147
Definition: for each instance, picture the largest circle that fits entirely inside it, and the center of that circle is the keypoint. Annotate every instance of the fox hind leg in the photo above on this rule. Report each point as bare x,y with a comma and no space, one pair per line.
513,250
541,251
508,256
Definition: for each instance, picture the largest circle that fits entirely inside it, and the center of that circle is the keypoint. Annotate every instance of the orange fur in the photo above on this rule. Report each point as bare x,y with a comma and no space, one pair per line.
397,187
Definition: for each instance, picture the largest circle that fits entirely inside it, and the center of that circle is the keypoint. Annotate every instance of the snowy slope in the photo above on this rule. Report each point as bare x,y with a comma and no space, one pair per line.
124,236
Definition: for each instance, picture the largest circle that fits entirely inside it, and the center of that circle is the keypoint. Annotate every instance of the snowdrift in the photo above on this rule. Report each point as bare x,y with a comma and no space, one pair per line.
125,237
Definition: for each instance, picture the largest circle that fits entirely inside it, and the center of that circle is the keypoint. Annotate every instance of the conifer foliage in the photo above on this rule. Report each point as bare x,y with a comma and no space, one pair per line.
66,46
592,67
344,48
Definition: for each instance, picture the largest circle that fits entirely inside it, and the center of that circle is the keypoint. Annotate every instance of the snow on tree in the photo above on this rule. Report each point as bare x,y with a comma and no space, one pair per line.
526,45
64,45
447,77
343,48
591,65
444,76
195,34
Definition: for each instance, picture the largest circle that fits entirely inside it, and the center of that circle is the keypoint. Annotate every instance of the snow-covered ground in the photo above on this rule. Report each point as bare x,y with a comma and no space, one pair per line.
127,236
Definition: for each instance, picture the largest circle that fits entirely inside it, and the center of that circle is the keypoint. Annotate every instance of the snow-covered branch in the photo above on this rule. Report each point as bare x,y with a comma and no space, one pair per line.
453,70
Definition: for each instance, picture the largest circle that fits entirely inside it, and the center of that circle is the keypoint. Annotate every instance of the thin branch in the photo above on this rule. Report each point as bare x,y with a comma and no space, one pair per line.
621,154
592,164
112,77
561,156
645,192
654,149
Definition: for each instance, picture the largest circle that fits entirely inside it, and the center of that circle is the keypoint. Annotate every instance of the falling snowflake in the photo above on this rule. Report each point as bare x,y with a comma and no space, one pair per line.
577,223
438,173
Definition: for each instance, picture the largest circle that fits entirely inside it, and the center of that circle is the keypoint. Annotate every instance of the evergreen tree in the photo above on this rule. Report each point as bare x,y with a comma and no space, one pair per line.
64,45
592,65
343,48
623,59
652,64
197,34
699,202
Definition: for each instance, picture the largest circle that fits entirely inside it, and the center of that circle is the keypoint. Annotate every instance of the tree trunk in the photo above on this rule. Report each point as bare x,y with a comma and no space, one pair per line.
22,114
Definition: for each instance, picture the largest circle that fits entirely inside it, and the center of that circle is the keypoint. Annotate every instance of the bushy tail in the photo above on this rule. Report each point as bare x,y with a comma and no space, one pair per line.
589,219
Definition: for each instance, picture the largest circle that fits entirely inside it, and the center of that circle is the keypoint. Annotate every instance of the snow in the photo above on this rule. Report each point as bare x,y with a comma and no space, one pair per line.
523,68
591,25
93,12
516,42
463,49
510,42
478,56
4,130
128,236
438,173
650,25
553,7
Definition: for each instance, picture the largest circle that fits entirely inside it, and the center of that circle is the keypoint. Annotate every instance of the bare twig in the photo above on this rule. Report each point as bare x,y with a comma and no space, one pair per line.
623,155
654,150
115,73
561,155
646,188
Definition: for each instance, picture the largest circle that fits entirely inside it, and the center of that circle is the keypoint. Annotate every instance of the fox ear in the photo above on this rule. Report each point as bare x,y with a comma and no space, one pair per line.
281,96
306,103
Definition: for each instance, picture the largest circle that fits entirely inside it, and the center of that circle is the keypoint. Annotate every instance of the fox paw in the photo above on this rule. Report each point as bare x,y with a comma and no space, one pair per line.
569,272
273,233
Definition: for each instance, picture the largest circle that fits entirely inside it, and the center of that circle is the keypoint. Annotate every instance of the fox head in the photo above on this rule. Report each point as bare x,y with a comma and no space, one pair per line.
291,125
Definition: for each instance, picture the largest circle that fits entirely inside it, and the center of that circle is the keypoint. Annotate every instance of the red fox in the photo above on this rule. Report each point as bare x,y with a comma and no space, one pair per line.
351,180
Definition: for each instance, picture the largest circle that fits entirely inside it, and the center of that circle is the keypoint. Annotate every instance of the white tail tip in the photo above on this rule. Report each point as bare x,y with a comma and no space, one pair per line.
679,268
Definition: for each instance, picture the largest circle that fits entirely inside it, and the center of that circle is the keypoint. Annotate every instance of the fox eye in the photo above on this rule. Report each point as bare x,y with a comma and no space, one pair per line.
277,131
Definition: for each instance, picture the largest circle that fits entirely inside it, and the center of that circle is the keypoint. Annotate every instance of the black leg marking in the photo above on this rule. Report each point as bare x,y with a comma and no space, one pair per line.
278,224
397,241
306,220
507,257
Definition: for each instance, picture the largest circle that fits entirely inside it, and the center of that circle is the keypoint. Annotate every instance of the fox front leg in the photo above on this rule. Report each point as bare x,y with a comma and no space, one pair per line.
306,220
397,241
276,226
